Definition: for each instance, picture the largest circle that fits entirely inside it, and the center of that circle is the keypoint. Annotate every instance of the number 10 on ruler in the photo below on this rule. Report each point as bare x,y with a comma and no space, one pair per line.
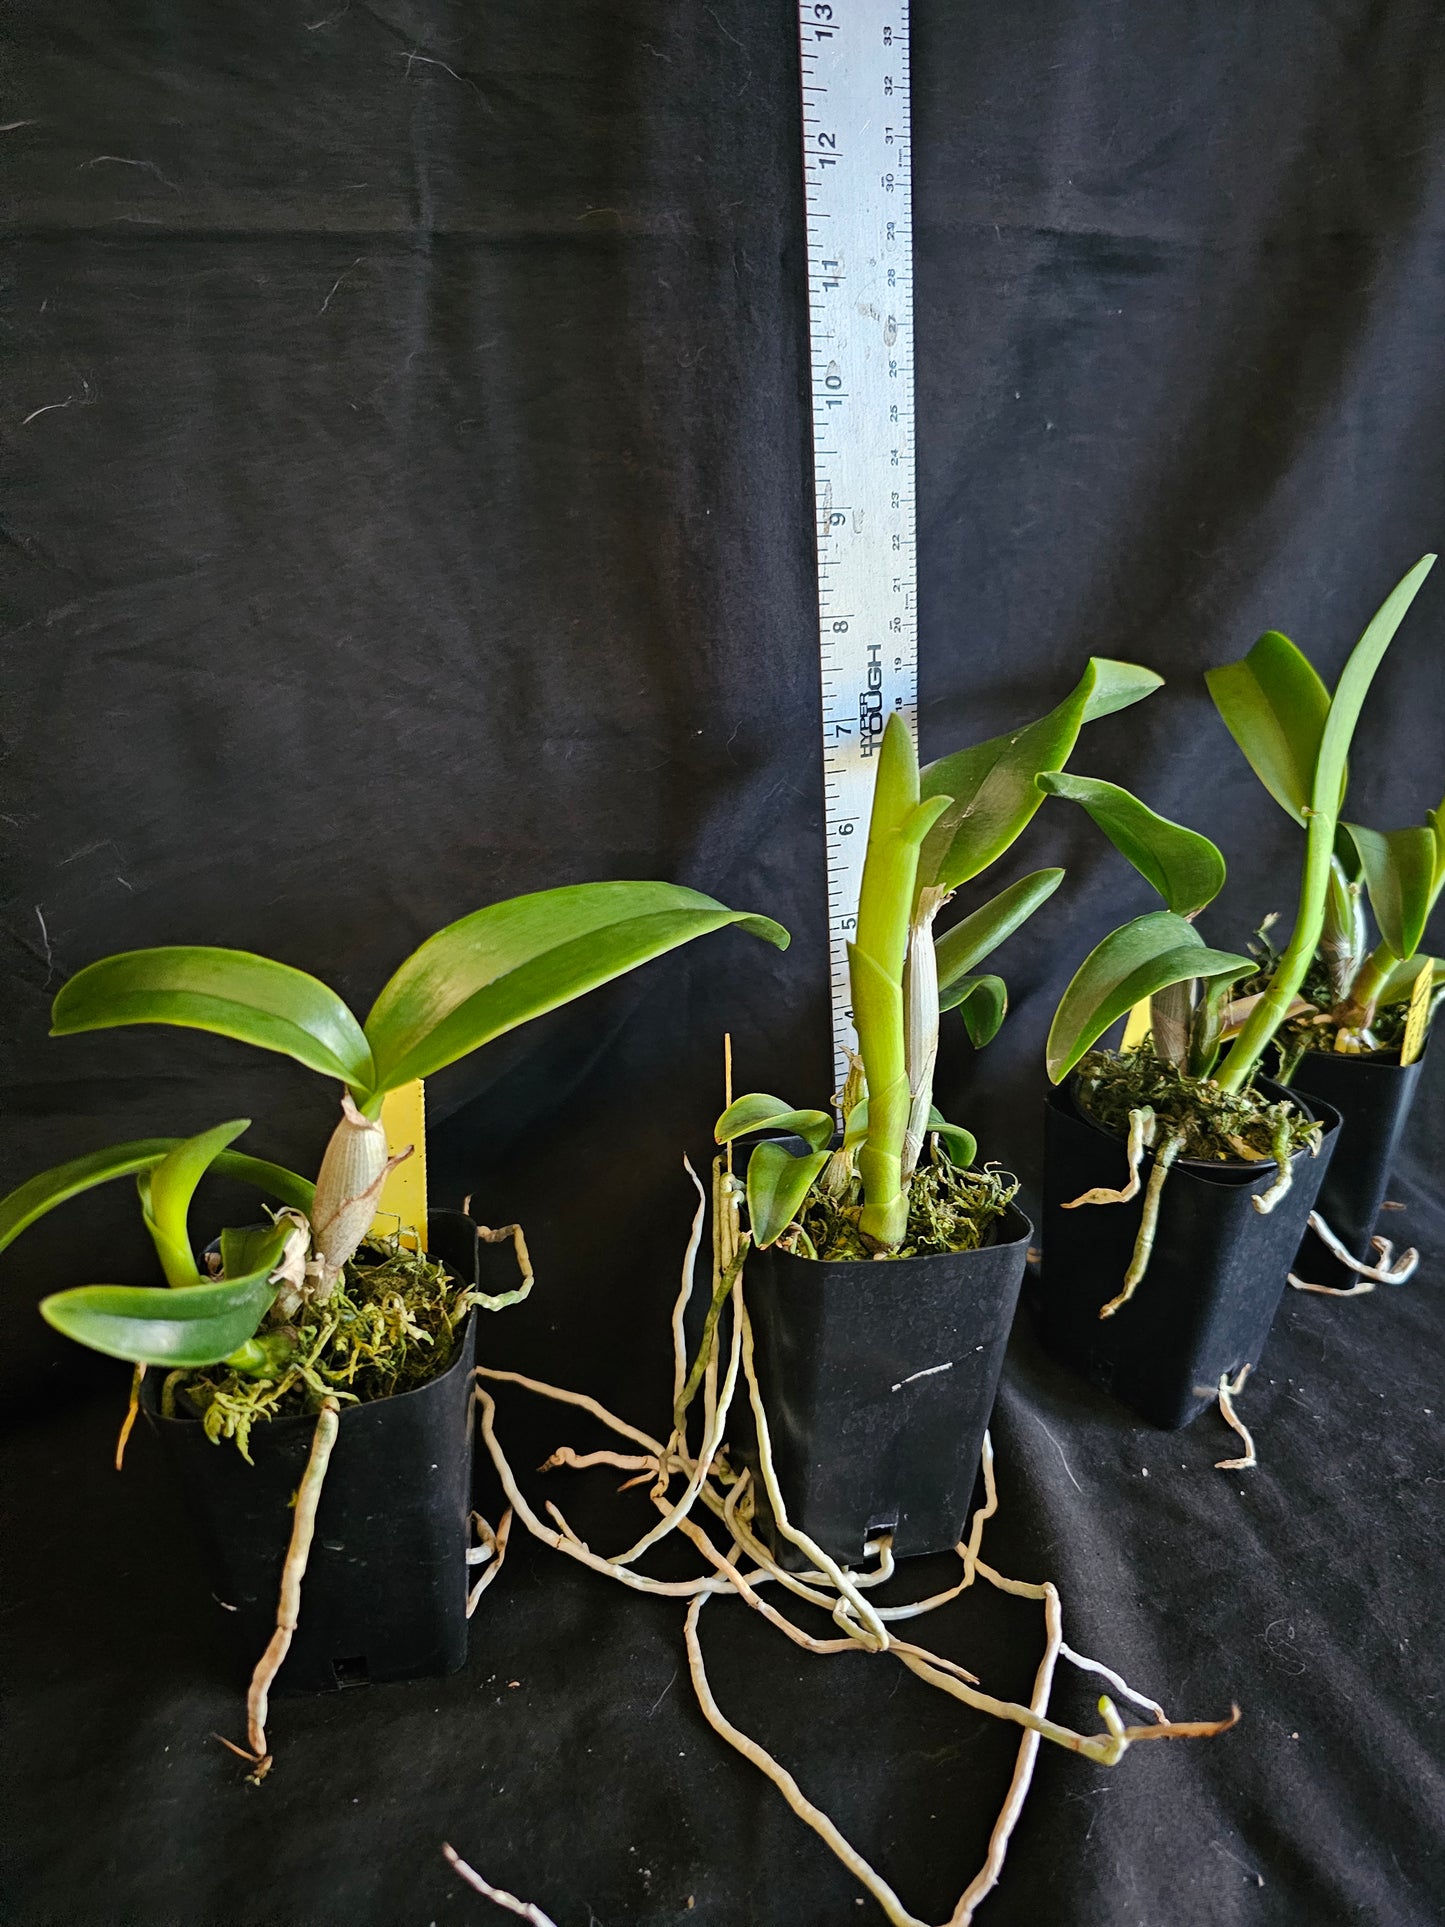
857,168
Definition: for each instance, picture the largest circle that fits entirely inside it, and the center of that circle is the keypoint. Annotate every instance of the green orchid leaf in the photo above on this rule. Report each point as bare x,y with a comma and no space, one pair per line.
1274,705
984,1004
504,965
42,1193
761,1113
274,1180
981,932
167,1190
1183,866
992,785
154,1326
1346,855
1353,686
1399,986
1131,963
778,1182
251,999
855,1128
245,1248
1326,793
961,1145
1399,872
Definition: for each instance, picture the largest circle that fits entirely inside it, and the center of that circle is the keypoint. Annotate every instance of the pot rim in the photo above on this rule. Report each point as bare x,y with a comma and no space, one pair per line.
871,1265
150,1386
1241,1168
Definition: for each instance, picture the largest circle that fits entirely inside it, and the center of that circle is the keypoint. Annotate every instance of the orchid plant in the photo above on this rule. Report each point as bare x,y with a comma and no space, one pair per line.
471,982
1296,737
930,832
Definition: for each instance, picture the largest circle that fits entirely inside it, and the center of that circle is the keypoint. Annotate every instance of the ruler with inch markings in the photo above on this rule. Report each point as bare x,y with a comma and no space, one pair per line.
857,165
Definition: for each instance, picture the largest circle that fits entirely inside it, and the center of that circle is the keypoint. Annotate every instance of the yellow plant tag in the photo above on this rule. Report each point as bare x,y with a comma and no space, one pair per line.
403,1196
1419,1013
1137,1027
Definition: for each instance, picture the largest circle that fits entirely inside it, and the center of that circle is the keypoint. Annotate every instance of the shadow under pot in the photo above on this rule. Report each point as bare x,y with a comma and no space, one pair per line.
1373,1098
384,1596
878,1381
1218,1270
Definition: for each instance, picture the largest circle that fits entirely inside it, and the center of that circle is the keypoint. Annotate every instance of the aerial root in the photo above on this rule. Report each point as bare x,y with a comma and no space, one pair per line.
1228,1392
1142,1124
1386,1270
524,1909
490,1551
729,1494
288,1609
1148,1224
128,1422
1266,1200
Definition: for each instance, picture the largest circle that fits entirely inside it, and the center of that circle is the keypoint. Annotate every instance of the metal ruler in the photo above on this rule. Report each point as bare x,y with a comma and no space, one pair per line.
857,165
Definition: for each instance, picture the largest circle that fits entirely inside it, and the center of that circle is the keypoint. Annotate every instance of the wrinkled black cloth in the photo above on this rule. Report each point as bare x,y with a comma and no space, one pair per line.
407,504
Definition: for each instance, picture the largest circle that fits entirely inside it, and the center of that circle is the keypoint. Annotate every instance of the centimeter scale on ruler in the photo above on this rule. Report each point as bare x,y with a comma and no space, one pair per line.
857,167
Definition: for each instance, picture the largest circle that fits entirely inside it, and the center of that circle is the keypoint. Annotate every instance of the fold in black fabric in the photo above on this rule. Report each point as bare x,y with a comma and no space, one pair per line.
408,504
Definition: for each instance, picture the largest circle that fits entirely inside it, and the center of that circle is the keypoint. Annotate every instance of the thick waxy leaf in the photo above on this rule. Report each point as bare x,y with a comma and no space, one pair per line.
167,1191
512,961
252,999
1133,962
759,1112
1274,705
1399,870
198,1326
1354,686
992,786
777,1185
1400,983
244,1248
961,1145
975,936
274,1180
984,1004
42,1193
1183,866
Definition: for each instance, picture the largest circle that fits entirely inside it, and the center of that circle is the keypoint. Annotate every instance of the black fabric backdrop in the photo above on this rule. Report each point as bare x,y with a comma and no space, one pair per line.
407,505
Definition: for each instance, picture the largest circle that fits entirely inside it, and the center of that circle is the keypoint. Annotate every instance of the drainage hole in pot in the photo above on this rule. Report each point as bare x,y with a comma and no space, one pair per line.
352,1672
881,1523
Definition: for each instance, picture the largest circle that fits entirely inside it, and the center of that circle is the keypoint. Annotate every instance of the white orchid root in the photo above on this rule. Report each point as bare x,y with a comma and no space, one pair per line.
524,1909
746,1566
288,1610
1386,1270
1229,1390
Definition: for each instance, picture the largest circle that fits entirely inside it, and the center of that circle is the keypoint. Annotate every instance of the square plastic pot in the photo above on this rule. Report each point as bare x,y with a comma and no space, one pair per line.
878,1380
1218,1271
384,1595
1373,1098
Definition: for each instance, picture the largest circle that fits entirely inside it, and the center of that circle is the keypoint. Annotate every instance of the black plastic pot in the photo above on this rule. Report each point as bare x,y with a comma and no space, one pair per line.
384,1595
878,1379
1373,1098
1205,1305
